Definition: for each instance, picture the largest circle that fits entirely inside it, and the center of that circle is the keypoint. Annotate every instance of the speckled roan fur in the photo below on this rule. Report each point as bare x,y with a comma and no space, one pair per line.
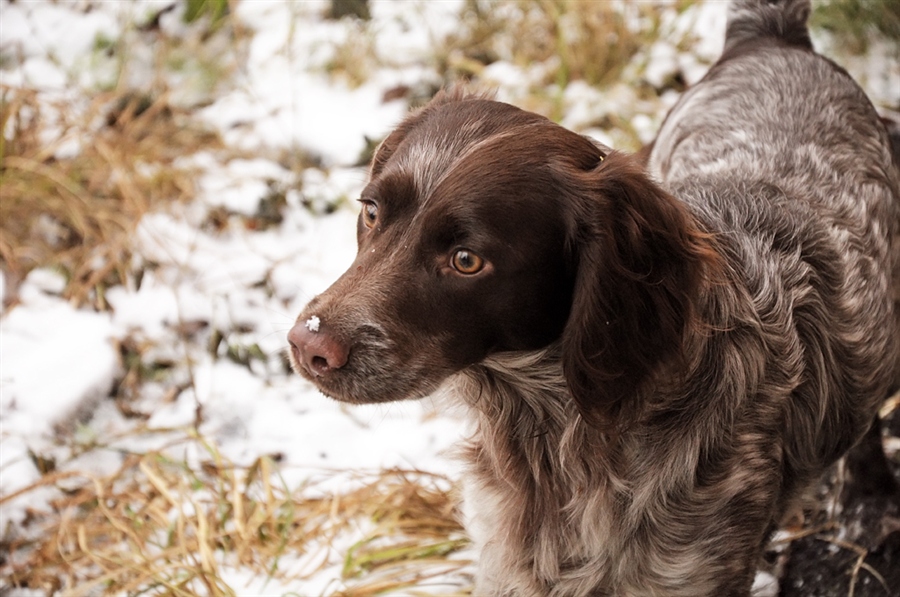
726,335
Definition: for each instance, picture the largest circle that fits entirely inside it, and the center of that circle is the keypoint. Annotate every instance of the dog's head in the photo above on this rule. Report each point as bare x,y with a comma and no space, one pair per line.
485,228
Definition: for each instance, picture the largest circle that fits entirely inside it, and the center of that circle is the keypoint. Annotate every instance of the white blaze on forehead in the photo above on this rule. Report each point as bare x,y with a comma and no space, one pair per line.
312,324
433,157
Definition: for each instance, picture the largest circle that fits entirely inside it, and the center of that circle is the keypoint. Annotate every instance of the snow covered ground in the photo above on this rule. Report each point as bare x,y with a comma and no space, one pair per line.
58,364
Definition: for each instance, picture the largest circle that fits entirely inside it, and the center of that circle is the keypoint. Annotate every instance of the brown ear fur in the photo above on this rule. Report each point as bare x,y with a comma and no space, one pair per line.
641,263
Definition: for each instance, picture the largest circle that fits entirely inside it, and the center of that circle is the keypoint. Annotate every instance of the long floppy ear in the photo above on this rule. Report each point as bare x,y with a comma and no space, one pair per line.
641,262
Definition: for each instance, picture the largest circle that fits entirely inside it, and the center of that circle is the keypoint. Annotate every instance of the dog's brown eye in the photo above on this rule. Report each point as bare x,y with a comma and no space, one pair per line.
466,262
369,213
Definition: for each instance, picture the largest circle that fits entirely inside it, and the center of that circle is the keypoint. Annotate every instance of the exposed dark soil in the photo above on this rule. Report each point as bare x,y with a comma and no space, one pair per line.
850,545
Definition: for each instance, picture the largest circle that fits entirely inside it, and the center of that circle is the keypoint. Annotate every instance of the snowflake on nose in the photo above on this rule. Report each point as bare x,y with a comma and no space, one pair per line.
312,324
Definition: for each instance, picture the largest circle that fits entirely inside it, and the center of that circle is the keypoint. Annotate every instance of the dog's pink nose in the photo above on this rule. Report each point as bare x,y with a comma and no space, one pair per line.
317,351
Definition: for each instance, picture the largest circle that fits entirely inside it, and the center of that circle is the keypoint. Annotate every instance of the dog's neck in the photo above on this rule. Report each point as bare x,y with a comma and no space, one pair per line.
523,412
531,450
524,392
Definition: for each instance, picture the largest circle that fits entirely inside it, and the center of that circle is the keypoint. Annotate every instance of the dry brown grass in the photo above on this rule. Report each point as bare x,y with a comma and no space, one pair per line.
75,211
557,42
80,167
590,41
166,527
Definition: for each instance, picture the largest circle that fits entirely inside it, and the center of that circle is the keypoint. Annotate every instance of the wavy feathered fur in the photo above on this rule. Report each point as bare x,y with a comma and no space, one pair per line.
656,362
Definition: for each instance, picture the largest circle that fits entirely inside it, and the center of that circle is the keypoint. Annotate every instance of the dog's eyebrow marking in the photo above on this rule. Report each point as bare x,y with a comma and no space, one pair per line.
436,154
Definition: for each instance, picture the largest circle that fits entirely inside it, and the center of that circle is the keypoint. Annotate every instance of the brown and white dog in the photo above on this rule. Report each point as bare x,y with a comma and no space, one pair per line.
656,361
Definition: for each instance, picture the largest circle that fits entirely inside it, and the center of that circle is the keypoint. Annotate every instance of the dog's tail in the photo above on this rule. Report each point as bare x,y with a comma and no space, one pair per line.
761,20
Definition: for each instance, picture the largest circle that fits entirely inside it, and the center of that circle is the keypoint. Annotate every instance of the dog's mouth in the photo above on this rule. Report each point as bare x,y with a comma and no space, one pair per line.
359,383
368,369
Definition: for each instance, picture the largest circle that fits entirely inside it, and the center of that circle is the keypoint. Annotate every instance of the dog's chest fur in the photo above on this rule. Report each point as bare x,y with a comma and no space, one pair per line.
558,508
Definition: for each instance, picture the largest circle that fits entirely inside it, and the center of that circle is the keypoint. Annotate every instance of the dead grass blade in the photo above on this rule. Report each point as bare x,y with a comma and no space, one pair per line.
860,563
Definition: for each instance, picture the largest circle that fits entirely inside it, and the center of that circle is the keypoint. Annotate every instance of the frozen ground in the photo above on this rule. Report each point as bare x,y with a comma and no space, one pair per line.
58,364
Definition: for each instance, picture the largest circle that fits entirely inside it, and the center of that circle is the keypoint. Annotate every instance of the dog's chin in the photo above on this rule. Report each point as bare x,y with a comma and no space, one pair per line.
354,393
348,386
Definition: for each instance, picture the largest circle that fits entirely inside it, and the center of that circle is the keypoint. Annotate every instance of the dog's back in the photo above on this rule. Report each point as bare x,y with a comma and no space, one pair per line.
772,110
780,145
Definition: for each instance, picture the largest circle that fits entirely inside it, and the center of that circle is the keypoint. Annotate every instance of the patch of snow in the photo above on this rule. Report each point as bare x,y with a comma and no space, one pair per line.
306,111
240,185
662,63
55,40
46,345
878,71
151,310
210,265
18,472
598,135
57,364
410,31
645,127
764,585
706,22
322,189
505,75
290,102
585,105
41,282
42,74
